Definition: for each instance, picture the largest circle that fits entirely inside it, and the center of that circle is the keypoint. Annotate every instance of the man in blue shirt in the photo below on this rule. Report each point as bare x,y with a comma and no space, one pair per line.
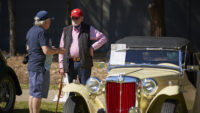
38,47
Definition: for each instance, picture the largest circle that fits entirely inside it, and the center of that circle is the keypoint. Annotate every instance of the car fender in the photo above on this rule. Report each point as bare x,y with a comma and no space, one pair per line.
168,91
93,103
14,76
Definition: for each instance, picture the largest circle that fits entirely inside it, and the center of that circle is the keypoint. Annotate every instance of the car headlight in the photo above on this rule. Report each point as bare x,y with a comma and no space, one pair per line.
149,86
94,85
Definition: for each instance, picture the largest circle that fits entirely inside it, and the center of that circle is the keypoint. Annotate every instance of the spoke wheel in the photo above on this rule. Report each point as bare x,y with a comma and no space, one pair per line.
7,94
171,106
75,104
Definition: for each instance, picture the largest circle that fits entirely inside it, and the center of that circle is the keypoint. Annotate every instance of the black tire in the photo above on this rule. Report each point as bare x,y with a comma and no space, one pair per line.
7,94
75,104
171,106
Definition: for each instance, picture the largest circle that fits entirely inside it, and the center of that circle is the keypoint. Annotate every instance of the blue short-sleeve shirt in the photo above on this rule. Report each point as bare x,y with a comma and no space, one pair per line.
36,38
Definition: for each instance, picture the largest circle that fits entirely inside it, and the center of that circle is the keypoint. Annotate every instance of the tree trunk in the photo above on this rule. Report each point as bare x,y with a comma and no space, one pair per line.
156,12
196,108
68,10
12,33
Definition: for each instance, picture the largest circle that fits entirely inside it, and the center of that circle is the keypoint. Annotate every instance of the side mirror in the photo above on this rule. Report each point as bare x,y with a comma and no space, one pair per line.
193,68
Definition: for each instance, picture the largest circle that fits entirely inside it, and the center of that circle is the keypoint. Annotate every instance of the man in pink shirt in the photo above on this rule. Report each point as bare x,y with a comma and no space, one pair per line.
77,40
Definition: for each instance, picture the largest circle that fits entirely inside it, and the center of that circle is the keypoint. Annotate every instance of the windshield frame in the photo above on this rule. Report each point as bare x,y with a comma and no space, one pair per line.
179,68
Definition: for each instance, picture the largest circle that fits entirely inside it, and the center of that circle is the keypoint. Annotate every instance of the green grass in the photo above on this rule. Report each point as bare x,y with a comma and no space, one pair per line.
52,86
22,107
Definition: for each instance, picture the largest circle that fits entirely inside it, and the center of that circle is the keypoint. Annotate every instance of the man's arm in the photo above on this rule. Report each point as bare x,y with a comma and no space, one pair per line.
98,36
61,56
44,42
27,47
51,51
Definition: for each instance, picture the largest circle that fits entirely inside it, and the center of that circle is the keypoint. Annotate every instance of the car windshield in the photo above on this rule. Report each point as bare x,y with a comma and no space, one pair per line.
148,57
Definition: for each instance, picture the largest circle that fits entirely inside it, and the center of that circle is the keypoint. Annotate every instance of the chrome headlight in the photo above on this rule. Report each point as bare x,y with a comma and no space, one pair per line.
94,85
149,86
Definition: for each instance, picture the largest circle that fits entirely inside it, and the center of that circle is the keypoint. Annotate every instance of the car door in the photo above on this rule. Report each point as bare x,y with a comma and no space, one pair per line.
189,79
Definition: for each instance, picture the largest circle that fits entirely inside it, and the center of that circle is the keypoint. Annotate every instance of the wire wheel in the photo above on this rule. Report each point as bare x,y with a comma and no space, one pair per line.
7,94
171,106
75,104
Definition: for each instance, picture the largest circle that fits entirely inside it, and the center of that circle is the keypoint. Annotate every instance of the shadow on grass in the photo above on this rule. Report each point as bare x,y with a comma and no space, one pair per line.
27,111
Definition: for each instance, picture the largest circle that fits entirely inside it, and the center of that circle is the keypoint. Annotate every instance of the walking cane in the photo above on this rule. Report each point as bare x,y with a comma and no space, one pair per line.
60,88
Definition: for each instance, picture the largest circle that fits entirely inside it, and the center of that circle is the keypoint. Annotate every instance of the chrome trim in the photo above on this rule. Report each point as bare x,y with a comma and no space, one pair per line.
100,85
120,101
134,110
156,88
144,65
152,48
123,79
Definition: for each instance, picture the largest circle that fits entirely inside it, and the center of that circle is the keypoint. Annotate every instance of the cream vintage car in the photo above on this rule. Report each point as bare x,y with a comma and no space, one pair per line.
145,75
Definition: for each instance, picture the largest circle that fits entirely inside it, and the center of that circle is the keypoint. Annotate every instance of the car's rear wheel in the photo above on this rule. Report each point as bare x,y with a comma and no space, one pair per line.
75,104
7,94
171,106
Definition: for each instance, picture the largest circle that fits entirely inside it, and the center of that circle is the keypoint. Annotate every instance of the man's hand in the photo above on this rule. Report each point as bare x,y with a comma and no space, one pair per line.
62,72
51,51
91,52
61,50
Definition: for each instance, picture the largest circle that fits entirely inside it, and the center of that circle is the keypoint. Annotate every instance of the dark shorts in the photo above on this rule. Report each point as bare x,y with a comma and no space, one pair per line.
39,84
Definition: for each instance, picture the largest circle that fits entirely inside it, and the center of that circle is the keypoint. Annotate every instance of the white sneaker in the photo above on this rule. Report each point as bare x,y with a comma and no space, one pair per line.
64,98
55,98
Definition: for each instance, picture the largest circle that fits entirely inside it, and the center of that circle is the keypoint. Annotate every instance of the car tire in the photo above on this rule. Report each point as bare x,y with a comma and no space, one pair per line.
75,104
7,94
171,106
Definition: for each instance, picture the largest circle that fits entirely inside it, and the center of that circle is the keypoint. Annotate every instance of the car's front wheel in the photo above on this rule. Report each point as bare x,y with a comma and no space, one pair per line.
75,104
7,94
171,106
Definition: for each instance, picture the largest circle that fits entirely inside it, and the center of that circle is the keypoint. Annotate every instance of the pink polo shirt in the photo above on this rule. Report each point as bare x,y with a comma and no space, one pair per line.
74,49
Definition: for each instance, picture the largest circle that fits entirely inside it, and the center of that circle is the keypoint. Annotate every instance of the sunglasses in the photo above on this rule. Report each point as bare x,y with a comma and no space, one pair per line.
75,18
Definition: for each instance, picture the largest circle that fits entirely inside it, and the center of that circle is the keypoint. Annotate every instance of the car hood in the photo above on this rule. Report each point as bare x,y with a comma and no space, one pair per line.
143,72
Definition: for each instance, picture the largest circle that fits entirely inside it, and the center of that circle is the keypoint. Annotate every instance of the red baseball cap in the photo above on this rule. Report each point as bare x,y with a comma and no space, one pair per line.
76,13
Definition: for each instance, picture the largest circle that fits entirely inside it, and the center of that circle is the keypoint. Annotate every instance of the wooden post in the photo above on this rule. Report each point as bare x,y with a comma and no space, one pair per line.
12,33
156,12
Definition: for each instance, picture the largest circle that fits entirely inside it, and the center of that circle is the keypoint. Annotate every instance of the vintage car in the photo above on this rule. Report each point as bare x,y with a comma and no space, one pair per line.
145,75
9,87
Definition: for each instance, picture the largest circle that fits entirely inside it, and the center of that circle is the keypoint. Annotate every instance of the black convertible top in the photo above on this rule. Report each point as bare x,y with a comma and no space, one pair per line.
154,42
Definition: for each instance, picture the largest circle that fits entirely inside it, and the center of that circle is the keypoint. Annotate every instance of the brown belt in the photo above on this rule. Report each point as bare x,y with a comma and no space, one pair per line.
75,59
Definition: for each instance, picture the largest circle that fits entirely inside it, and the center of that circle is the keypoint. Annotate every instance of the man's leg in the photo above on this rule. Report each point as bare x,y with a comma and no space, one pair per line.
30,104
37,89
72,74
36,104
84,75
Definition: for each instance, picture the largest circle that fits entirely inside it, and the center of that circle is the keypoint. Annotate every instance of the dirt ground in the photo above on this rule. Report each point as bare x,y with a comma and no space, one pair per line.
22,73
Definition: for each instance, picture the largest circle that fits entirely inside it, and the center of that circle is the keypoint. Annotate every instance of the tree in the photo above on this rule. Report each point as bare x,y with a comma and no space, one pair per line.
67,20
12,25
156,11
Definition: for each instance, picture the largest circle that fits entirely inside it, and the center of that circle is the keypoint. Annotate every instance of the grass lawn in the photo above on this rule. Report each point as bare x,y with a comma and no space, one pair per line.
22,107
